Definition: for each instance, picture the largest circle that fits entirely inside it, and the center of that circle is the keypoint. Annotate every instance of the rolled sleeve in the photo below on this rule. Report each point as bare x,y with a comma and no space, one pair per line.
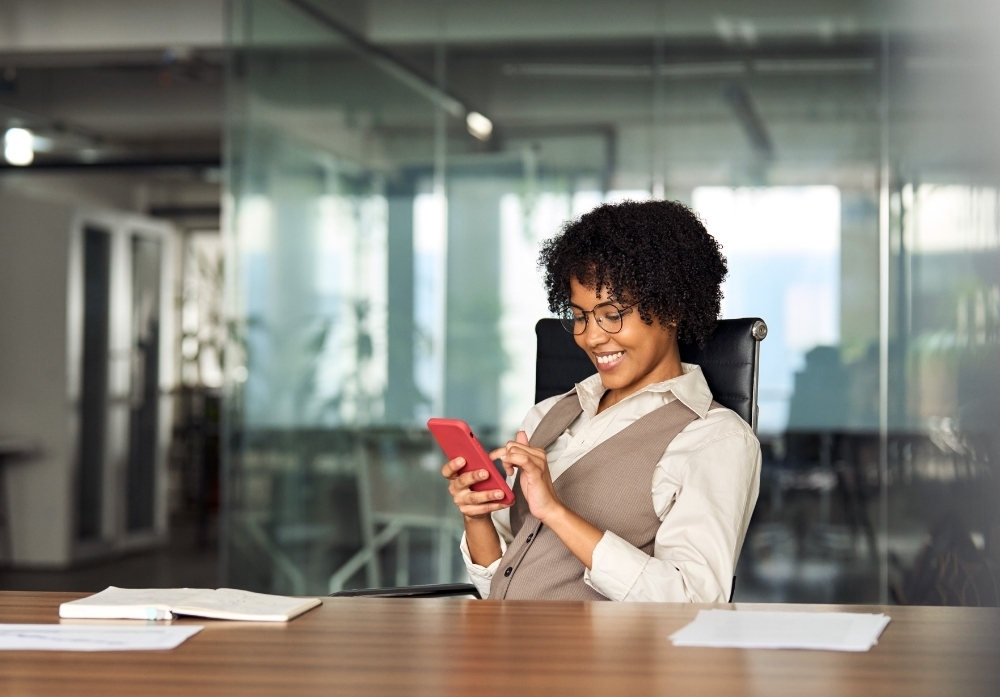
617,566
481,576
700,534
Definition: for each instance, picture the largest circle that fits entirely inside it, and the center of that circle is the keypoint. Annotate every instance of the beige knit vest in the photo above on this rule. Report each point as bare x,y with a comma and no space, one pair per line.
610,487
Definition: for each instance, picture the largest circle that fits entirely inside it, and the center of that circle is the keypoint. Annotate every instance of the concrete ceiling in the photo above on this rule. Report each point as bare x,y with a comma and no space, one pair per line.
134,80
37,26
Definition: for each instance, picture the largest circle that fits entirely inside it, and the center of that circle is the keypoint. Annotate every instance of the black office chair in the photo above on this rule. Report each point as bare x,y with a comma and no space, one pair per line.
729,361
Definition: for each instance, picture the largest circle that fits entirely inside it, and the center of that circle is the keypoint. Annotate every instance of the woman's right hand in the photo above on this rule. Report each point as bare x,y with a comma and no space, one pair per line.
474,505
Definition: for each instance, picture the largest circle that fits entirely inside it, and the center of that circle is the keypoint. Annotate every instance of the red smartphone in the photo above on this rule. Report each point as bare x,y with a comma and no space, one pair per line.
457,440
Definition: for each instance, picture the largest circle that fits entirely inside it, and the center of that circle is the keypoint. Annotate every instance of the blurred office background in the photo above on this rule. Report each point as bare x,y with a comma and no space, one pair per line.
247,248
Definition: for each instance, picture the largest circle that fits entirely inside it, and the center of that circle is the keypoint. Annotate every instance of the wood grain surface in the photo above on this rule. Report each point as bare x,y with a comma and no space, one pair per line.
360,646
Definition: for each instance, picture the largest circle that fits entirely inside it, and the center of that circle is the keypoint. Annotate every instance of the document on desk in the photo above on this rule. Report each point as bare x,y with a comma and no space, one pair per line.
750,629
164,603
61,637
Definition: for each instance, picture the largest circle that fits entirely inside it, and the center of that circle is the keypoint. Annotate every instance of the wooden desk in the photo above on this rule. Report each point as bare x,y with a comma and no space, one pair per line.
461,647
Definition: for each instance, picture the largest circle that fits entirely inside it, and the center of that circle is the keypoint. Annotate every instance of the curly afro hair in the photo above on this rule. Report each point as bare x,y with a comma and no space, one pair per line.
653,253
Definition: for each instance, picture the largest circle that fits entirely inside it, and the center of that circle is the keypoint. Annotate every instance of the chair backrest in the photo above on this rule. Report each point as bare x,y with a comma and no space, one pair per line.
729,360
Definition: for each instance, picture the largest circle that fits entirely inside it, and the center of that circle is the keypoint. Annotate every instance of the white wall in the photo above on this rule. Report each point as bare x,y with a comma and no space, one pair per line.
33,399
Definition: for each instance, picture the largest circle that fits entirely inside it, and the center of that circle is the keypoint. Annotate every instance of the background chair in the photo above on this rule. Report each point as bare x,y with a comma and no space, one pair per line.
729,359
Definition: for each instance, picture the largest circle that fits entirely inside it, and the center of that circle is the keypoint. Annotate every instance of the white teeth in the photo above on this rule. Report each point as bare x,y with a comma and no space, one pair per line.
610,359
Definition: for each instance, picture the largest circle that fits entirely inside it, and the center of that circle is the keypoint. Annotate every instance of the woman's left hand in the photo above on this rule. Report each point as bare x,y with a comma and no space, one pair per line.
536,482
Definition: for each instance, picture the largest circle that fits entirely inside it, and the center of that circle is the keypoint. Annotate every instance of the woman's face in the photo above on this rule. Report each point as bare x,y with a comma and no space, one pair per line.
638,355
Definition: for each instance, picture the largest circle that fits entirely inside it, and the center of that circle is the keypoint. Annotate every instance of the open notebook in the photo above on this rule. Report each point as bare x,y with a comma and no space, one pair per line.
164,603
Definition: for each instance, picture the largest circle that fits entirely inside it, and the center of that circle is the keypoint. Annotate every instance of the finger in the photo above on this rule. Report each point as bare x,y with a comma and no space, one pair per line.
472,498
452,466
522,438
462,482
519,448
537,453
527,459
482,509
469,478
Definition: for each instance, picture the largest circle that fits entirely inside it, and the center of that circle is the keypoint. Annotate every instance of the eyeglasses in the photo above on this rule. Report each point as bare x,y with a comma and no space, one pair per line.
608,315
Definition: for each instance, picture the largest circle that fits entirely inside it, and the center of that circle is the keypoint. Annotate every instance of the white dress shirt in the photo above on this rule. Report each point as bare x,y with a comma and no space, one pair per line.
704,490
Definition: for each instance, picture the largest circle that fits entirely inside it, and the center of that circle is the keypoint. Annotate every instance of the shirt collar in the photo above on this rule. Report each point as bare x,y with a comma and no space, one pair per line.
689,387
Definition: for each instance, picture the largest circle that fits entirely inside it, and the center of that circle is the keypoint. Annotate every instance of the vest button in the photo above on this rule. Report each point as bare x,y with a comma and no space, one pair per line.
509,571
528,538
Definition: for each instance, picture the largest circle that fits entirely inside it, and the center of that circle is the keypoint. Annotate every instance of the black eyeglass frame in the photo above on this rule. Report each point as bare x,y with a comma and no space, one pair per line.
569,323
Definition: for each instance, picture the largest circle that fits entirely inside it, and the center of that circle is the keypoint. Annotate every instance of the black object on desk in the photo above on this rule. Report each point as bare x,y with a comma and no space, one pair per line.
433,590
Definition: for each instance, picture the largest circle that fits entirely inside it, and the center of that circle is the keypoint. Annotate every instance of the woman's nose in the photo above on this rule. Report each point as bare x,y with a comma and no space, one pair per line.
593,335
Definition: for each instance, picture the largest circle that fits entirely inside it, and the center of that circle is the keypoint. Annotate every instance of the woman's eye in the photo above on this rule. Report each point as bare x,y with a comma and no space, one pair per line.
612,316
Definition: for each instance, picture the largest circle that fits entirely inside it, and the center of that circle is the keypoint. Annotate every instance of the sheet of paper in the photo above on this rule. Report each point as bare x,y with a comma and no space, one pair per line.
62,637
751,629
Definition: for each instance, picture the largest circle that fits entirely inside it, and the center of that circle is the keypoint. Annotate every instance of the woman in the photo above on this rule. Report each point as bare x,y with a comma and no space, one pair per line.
635,485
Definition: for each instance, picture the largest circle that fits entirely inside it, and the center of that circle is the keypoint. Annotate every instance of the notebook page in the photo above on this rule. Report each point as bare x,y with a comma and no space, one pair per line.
129,603
231,604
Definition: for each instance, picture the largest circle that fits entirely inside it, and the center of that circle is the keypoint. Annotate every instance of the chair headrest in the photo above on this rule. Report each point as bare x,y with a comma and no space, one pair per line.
728,359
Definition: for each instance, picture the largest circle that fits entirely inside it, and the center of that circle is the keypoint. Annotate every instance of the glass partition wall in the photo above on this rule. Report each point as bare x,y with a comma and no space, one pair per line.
393,169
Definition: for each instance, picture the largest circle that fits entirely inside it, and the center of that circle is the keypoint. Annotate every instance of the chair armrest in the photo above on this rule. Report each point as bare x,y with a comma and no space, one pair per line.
436,590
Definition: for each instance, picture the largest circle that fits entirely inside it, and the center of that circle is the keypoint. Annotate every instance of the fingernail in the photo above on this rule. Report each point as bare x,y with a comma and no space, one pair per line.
498,494
483,474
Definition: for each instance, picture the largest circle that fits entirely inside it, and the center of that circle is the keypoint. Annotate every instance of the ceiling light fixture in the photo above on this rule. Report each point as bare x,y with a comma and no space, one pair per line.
18,146
478,125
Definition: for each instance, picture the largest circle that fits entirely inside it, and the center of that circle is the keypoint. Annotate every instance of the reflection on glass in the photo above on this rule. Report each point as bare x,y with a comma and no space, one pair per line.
430,215
383,271
944,529
783,247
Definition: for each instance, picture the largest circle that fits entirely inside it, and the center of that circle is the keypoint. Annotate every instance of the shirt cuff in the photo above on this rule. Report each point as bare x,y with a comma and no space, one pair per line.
481,576
616,567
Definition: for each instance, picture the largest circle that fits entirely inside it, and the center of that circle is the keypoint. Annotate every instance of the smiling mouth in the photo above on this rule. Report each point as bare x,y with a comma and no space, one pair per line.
609,360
